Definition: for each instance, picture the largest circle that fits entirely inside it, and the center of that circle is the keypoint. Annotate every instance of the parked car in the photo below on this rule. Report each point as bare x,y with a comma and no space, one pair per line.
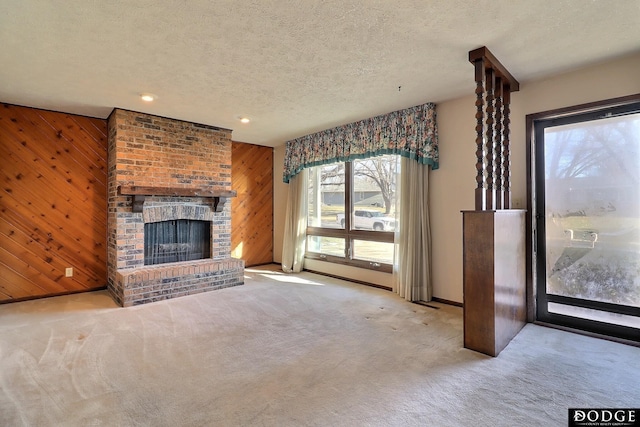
369,220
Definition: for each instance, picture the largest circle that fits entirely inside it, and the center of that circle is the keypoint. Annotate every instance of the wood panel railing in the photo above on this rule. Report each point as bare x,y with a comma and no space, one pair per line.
494,85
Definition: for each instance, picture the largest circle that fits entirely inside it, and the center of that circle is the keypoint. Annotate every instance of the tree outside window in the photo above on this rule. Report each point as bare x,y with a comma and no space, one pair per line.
352,213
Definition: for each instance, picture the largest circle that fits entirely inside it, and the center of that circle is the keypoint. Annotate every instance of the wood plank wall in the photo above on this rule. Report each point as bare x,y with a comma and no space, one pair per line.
53,203
252,209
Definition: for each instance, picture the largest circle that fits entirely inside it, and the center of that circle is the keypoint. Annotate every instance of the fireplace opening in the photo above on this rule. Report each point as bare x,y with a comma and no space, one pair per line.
176,241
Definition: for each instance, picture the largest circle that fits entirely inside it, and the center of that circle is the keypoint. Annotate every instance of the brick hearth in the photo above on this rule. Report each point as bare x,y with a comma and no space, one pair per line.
156,152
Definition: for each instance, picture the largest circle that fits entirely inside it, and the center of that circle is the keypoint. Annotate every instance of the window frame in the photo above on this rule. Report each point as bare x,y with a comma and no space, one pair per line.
349,234
536,227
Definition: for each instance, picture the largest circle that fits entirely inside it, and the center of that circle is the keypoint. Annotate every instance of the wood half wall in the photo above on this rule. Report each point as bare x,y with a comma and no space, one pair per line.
252,209
52,203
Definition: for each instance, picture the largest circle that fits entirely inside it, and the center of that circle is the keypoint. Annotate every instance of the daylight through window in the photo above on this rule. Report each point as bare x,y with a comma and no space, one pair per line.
352,213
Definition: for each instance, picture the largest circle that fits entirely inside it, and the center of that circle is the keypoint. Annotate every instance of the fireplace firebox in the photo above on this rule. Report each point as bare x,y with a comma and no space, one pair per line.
176,241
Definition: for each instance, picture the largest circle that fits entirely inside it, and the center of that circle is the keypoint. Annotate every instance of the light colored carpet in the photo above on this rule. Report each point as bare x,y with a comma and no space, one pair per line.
282,350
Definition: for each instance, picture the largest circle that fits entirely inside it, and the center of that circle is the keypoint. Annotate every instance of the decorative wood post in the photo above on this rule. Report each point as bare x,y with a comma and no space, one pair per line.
505,148
494,243
480,77
497,138
494,85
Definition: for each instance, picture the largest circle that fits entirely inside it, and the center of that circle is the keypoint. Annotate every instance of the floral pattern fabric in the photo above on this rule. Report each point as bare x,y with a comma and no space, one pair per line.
411,133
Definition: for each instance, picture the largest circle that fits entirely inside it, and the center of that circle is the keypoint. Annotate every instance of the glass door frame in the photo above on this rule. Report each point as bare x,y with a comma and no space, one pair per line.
538,299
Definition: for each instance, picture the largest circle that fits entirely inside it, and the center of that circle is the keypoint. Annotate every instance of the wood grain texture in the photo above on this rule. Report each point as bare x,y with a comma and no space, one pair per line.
173,191
478,275
252,209
494,278
52,203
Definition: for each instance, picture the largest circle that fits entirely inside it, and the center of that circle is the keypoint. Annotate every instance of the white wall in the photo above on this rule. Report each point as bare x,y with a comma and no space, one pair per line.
451,190
452,185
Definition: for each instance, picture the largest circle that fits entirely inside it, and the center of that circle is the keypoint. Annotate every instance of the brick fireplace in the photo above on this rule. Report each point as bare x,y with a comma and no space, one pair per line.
167,170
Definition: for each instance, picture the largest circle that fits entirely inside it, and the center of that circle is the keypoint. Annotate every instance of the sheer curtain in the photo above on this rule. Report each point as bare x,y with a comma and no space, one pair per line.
295,226
412,269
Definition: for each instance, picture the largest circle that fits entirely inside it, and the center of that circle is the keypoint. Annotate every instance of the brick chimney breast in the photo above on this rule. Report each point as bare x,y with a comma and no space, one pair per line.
157,152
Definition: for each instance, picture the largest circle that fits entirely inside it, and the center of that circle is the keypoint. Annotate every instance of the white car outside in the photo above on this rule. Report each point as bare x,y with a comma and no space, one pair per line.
369,220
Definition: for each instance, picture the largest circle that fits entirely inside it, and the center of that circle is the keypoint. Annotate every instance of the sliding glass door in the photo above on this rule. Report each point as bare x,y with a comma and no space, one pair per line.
587,214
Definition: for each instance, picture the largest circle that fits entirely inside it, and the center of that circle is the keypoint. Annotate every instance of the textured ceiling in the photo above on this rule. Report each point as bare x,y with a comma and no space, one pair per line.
293,66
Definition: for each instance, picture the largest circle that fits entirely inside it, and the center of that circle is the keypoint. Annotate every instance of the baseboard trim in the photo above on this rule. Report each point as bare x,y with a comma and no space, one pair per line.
446,301
58,294
264,264
373,285
360,282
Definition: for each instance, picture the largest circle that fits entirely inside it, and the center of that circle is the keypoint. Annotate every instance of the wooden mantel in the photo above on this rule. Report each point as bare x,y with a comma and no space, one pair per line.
140,192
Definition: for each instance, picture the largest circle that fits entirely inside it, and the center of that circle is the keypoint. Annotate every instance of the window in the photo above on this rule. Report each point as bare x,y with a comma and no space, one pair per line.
352,213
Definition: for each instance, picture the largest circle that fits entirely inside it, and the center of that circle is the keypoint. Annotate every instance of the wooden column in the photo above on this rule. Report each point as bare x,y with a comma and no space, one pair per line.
480,79
494,235
489,142
498,144
506,171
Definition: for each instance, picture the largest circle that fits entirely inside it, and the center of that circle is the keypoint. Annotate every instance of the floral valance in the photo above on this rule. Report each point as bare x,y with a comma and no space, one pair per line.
410,133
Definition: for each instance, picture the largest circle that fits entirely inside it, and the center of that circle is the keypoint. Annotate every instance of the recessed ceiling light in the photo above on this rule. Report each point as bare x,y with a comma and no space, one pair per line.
244,120
147,97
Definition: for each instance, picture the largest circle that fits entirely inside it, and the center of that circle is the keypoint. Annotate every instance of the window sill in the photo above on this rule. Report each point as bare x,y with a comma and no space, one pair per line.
369,265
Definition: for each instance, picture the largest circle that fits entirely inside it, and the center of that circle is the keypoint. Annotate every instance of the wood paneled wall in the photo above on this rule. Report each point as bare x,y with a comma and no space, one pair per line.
53,205
252,209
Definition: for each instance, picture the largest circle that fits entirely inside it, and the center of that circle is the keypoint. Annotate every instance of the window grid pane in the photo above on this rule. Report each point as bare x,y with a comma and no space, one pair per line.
326,196
373,251
374,193
333,246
